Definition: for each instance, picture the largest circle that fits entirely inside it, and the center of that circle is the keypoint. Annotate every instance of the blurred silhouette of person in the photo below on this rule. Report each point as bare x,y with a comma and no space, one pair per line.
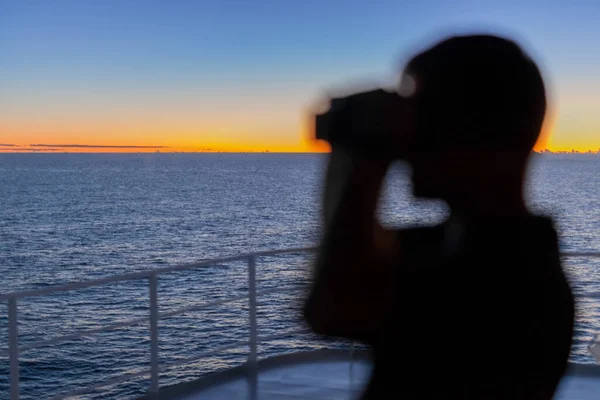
477,307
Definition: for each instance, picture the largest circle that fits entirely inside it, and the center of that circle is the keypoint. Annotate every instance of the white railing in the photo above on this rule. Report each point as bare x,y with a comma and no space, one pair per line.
154,316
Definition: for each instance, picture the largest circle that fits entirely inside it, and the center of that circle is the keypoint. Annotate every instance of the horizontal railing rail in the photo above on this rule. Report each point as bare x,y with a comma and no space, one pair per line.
154,316
580,254
147,273
141,320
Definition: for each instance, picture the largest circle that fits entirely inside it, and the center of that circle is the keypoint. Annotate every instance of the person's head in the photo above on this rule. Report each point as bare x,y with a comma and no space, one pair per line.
479,105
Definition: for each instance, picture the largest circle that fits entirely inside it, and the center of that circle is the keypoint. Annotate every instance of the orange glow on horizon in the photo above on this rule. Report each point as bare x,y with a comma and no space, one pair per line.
305,146
276,126
178,136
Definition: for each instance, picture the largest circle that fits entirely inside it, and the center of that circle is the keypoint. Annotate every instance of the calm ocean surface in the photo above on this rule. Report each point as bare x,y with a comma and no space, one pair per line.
71,217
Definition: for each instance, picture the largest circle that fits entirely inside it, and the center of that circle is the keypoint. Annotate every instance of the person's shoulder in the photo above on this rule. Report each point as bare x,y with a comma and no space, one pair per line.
534,227
526,236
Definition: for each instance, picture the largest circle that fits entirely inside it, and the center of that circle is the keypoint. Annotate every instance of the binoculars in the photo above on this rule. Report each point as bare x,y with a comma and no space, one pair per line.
367,123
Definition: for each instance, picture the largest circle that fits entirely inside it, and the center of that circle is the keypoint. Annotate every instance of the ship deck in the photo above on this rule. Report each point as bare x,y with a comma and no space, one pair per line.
329,375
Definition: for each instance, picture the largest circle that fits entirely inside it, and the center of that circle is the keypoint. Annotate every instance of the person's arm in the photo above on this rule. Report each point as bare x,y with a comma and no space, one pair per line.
354,268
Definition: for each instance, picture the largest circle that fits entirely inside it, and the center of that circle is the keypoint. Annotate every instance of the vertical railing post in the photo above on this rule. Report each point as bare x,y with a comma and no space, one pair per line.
153,334
252,356
13,345
351,372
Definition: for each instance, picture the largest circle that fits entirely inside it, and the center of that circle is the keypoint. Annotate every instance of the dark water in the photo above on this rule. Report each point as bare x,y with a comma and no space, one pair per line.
70,217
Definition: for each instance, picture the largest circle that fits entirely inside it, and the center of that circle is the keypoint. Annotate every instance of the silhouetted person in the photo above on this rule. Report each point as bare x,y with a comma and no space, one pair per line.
477,307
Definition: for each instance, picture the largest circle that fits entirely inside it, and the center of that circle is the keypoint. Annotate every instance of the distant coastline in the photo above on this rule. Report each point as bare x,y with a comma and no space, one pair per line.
2,151
597,152
136,149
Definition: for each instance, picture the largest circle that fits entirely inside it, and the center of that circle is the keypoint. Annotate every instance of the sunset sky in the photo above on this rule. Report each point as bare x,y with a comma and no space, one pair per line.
240,75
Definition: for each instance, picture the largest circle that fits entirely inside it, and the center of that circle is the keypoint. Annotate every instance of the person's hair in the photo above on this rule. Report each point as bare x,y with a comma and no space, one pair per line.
478,90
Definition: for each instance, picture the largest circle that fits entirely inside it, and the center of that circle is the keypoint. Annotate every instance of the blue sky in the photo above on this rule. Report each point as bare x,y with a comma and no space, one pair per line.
191,64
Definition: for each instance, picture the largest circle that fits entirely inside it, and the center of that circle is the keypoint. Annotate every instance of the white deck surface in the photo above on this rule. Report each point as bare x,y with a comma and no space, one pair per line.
329,378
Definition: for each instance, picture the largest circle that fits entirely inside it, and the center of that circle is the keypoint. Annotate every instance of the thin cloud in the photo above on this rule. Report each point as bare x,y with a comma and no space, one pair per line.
31,150
7,145
95,146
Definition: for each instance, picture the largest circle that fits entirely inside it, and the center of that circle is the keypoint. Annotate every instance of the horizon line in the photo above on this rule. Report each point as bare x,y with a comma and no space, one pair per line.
12,150
59,151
